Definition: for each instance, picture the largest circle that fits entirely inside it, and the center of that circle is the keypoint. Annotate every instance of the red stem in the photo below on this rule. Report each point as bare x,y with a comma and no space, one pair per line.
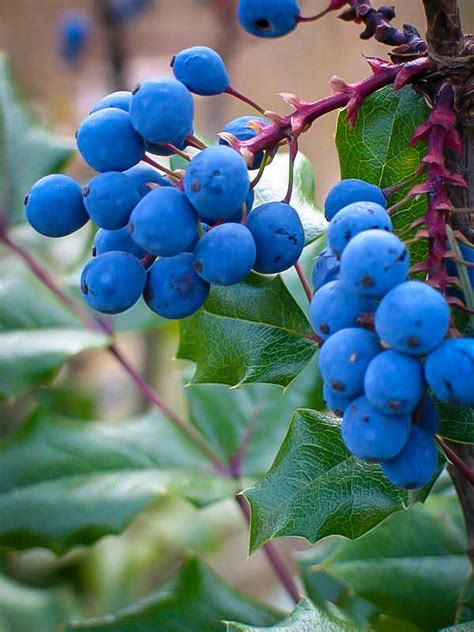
456,460
247,100
304,281
157,165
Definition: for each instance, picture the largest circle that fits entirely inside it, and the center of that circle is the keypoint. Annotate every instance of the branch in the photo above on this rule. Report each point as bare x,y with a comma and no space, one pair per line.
444,35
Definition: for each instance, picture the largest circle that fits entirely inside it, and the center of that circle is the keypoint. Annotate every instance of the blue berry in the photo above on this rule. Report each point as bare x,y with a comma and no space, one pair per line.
225,255
241,129
161,150
394,383
142,175
110,199
162,111
349,191
108,142
217,182
412,318
279,236
121,100
416,464
112,282
268,18
334,308
326,268
74,31
202,71
371,436
116,240
55,207
354,219
164,223
335,401
373,263
173,289
344,358
449,371
235,218
429,416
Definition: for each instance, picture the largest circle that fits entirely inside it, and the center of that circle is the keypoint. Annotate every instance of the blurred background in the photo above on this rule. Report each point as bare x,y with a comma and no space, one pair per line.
118,570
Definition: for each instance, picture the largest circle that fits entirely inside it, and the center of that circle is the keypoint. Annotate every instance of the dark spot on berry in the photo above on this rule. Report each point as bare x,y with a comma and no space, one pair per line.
136,88
277,259
94,251
173,59
394,404
263,24
365,418
324,327
347,236
413,342
418,322
27,197
367,281
85,191
216,172
84,288
338,386
198,266
403,256
196,186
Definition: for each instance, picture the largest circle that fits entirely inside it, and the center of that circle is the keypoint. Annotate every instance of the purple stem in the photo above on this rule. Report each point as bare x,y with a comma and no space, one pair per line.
247,100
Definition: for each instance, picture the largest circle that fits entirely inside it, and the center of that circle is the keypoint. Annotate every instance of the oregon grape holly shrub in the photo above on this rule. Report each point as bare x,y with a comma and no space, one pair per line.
360,312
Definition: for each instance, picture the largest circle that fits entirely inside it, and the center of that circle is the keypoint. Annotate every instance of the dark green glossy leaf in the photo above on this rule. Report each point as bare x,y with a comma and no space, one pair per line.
37,335
196,600
303,619
251,332
377,150
315,488
27,151
457,422
65,482
274,184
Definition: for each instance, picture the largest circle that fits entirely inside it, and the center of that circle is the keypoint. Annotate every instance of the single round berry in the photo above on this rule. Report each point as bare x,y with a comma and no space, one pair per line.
344,358
242,129
225,255
268,18
394,383
335,401
143,176
217,182
449,371
373,263
55,207
354,219
164,223
173,289
235,218
371,436
202,71
326,268
110,199
412,318
279,236
334,308
416,464
162,111
121,100
74,31
429,419
116,240
349,191
111,283
108,142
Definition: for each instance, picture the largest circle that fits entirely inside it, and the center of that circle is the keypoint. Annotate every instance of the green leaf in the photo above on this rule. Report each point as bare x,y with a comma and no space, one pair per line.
411,567
37,335
65,482
196,600
251,332
303,619
457,422
27,151
315,488
24,608
377,150
274,184
250,420
462,627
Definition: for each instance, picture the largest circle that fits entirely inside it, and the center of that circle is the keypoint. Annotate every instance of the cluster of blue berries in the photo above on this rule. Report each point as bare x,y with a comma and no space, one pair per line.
385,344
166,238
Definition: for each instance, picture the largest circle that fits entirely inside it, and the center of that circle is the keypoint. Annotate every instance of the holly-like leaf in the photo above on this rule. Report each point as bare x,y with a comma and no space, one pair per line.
196,600
25,608
65,482
303,619
251,332
27,151
273,187
411,567
377,150
37,335
457,422
315,488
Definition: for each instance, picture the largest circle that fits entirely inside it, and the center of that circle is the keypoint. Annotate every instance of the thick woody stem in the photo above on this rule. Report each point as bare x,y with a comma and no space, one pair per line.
444,35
